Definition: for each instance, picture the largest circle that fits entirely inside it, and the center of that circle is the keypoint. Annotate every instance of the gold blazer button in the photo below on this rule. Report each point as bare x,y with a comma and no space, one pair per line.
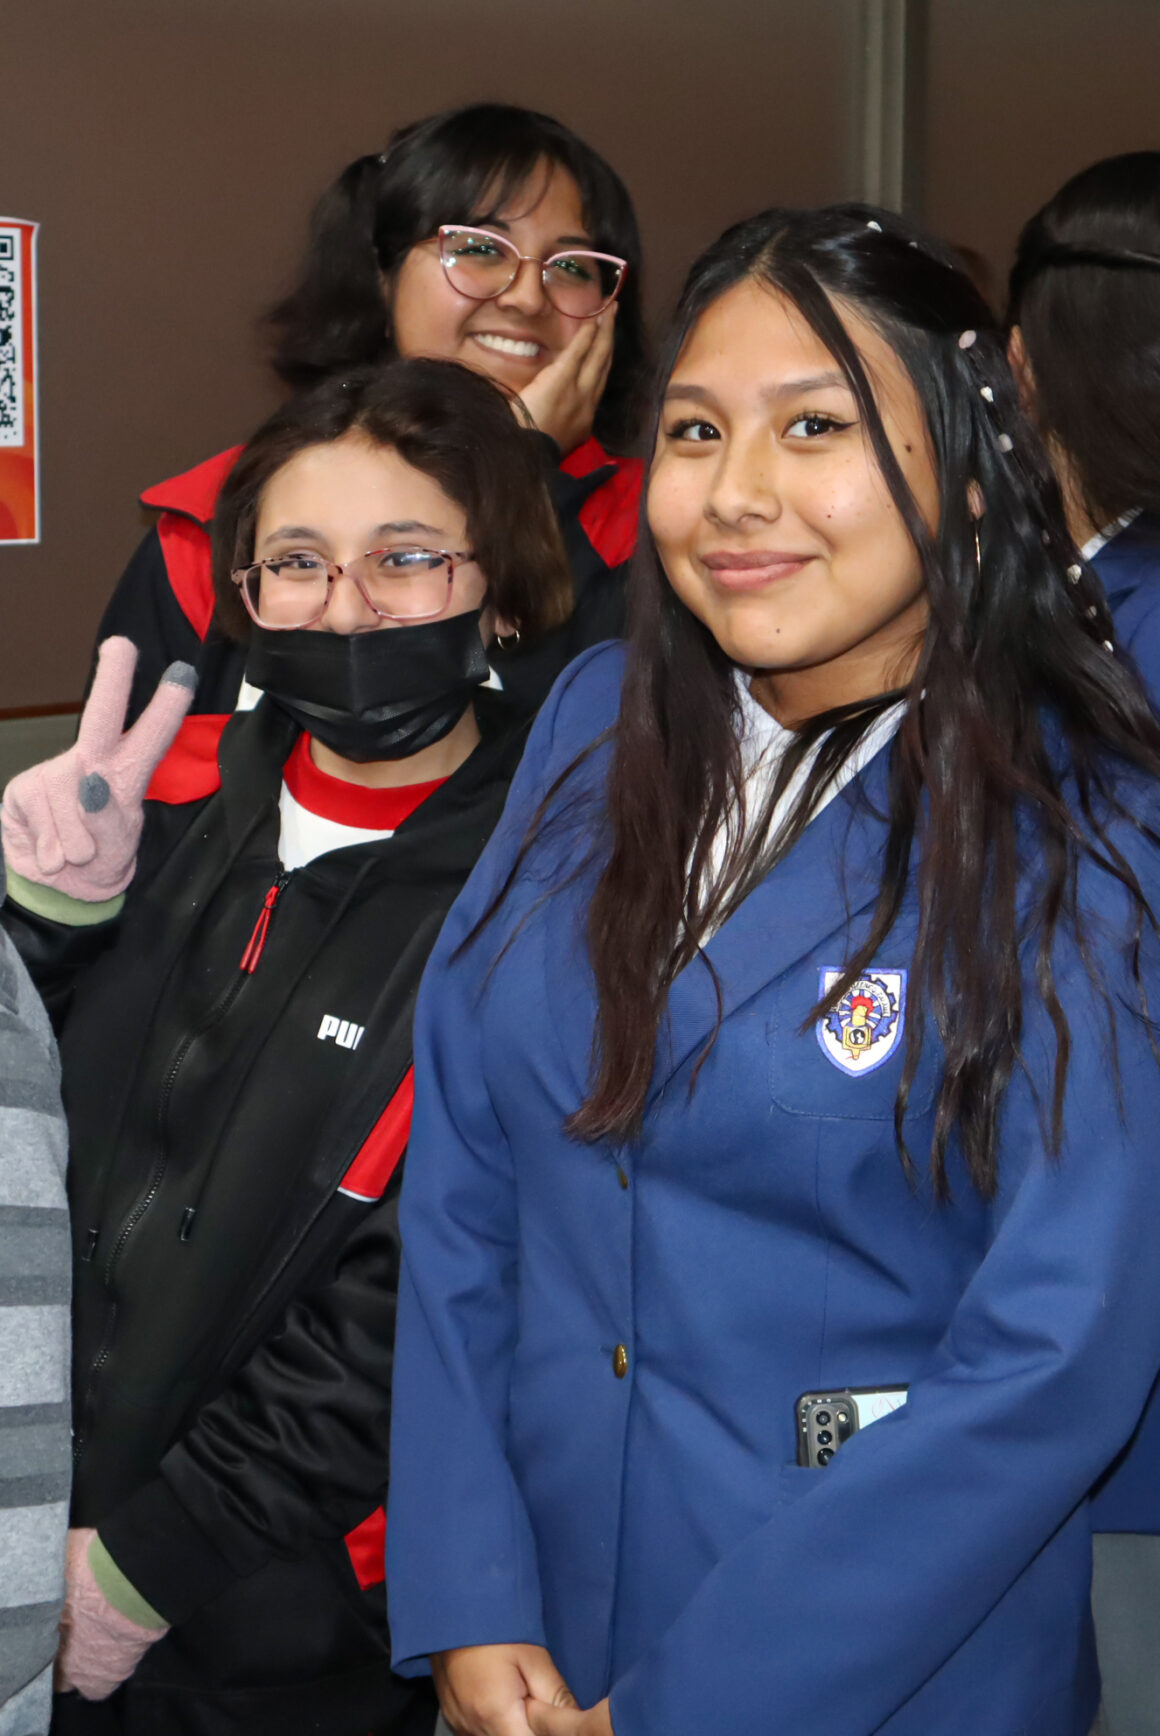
620,1362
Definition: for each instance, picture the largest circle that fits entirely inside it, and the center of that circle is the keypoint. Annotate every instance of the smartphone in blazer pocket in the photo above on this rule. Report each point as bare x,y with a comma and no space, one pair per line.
825,1419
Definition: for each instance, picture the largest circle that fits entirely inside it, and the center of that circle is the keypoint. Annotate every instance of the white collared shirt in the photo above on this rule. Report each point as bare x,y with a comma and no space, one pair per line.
1094,544
764,741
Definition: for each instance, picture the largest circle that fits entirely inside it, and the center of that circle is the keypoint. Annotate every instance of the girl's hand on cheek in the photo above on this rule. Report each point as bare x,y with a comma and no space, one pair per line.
564,1721
487,1690
563,398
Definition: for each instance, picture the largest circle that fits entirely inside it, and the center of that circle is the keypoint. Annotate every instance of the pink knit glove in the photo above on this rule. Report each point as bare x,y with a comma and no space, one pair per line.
74,822
99,1647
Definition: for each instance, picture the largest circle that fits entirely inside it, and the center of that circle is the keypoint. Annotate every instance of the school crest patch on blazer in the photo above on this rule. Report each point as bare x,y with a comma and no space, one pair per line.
864,1028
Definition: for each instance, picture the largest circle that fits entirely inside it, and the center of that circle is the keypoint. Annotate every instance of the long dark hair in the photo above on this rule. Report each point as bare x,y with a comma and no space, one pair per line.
1016,691
453,425
1085,292
449,168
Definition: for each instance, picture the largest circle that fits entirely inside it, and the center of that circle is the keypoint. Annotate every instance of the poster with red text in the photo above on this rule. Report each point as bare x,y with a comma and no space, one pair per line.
19,429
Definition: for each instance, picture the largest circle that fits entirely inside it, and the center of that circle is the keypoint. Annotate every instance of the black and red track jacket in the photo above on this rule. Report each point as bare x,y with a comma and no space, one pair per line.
236,1062
164,601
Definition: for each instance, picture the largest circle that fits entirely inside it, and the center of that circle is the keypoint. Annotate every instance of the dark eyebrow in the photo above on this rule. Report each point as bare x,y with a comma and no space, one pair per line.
698,394
306,533
404,526
490,222
294,532
812,383
786,388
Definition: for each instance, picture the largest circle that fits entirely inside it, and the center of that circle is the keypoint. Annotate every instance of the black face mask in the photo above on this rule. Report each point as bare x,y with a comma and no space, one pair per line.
373,696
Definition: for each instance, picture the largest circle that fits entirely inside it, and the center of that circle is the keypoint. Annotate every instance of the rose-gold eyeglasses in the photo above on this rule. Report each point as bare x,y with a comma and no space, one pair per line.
481,265
398,584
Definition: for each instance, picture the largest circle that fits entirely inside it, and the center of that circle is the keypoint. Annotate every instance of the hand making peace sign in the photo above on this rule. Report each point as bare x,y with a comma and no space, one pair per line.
74,822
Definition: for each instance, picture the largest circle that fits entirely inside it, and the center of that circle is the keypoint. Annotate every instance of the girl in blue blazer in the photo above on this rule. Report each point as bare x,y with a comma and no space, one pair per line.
1084,317
791,1038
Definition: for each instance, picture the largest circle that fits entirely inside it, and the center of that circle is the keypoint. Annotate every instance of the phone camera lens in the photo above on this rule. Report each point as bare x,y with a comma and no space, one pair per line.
825,1438
823,1419
825,1455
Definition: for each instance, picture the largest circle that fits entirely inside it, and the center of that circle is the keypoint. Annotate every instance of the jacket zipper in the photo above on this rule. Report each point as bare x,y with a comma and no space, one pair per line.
241,1326
257,940
218,1011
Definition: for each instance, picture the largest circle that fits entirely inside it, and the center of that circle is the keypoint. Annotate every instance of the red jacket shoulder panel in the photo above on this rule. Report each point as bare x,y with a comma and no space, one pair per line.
185,546
591,456
190,772
366,1179
194,493
609,516
187,504
367,1546
383,1148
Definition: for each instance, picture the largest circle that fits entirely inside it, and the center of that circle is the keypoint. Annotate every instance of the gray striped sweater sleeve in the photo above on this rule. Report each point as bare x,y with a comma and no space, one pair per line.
35,1267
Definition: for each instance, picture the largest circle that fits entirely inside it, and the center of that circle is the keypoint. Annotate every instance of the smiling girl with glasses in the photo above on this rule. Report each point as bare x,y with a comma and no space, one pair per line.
489,235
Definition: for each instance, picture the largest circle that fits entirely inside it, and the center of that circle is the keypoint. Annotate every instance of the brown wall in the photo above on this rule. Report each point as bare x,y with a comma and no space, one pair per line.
1021,94
171,148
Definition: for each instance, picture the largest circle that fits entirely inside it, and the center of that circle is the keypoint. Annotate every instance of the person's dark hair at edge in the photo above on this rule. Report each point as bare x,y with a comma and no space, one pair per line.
1085,291
457,428
1013,668
455,167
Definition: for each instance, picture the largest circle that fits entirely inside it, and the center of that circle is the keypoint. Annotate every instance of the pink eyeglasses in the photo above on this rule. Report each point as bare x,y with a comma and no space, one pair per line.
481,265
399,584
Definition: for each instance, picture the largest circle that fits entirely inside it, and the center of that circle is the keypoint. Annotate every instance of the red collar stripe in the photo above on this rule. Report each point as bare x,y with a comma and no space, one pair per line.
350,804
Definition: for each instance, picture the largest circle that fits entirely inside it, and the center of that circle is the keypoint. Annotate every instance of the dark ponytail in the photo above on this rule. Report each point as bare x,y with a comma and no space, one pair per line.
1085,293
450,168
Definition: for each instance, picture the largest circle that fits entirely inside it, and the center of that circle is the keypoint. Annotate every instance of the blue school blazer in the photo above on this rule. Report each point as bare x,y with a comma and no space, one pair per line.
600,1349
1128,565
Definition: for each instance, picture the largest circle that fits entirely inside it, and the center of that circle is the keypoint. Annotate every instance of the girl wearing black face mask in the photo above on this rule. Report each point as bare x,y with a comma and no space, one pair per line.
234,985
490,235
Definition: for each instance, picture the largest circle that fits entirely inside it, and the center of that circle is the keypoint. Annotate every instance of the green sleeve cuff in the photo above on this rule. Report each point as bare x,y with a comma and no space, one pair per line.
57,906
113,1585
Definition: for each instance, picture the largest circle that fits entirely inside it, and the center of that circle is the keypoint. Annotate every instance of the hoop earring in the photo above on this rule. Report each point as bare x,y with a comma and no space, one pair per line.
978,550
511,639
